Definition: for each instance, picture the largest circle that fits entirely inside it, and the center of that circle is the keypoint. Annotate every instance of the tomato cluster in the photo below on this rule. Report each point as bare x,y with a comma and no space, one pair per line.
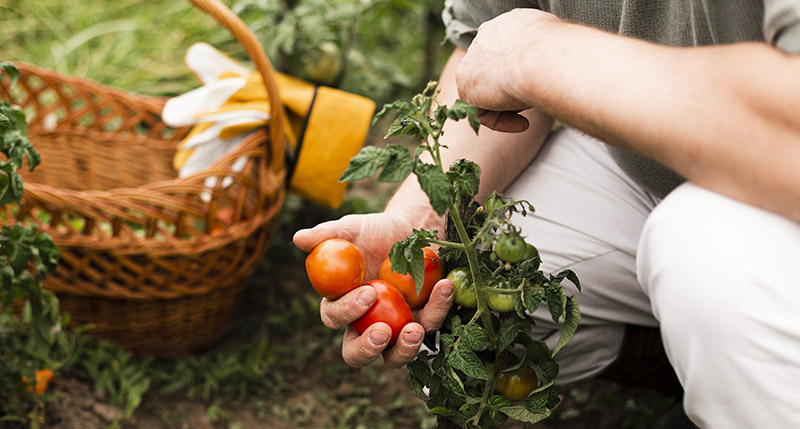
336,266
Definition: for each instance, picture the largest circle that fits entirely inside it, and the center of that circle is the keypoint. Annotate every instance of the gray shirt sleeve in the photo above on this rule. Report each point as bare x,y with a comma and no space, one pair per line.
462,18
782,24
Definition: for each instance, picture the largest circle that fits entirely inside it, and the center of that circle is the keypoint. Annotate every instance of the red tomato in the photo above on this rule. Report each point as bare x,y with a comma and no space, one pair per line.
335,267
405,284
390,308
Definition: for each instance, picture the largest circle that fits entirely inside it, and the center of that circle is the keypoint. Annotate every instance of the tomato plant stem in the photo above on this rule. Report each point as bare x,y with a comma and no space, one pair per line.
447,243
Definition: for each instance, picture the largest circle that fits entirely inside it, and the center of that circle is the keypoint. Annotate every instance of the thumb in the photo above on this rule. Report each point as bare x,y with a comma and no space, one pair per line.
308,238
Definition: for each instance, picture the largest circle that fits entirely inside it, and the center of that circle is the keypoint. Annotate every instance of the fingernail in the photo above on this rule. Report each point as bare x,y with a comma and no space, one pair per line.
446,292
378,338
412,338
367,296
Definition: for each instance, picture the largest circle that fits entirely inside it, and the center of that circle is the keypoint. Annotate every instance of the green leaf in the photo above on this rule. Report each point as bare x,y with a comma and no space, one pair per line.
34,157
566,274
11,70
390,107
520,413
16,185
419,370
18,255
5,123
556,299
435,184
572,316
366,162
538,400
466,361
477,338
509,329
453,383
465,177
532,296
461,109
397,164
406,256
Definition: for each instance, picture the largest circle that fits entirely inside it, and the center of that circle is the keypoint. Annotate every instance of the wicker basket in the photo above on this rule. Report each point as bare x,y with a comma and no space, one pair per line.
147,261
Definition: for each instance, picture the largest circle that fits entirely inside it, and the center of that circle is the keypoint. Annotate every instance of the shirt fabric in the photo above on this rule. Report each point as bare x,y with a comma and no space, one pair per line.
666,22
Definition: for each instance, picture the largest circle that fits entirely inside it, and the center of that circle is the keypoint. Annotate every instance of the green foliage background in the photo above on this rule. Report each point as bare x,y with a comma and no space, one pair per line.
393,47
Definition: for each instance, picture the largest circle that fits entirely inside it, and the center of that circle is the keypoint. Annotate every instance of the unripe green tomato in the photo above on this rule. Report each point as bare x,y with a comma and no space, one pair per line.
531,251
518,386
493,203
501,302
463,292
510,248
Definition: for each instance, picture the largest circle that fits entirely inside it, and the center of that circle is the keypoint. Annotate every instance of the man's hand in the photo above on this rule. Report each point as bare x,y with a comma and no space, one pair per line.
489,75
374,234
361,350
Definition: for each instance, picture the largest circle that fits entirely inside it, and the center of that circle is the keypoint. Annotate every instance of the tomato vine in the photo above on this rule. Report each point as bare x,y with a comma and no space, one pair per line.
476,345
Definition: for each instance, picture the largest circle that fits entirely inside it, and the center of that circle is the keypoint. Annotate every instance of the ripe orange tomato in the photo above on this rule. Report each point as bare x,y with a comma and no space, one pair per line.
43,377
335,267
390,308
405,284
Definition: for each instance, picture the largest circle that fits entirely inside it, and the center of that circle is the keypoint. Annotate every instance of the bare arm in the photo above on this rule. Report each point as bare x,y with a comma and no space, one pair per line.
501,156
725,117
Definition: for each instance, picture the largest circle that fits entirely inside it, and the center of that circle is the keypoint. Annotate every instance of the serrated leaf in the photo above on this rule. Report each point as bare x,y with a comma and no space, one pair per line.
569,275
519,307
465,177
556,299
509,329
461,109
407,257
397,164
452,383
396,106
572,316
419,370
520,413
466,361
435,184
532,296
366,162
548,370
477,338
537,400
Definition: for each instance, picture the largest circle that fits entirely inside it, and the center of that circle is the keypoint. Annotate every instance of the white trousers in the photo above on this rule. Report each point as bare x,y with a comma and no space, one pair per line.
720,278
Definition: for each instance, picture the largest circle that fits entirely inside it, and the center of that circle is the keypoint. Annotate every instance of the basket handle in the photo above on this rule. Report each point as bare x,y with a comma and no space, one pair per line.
255,51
